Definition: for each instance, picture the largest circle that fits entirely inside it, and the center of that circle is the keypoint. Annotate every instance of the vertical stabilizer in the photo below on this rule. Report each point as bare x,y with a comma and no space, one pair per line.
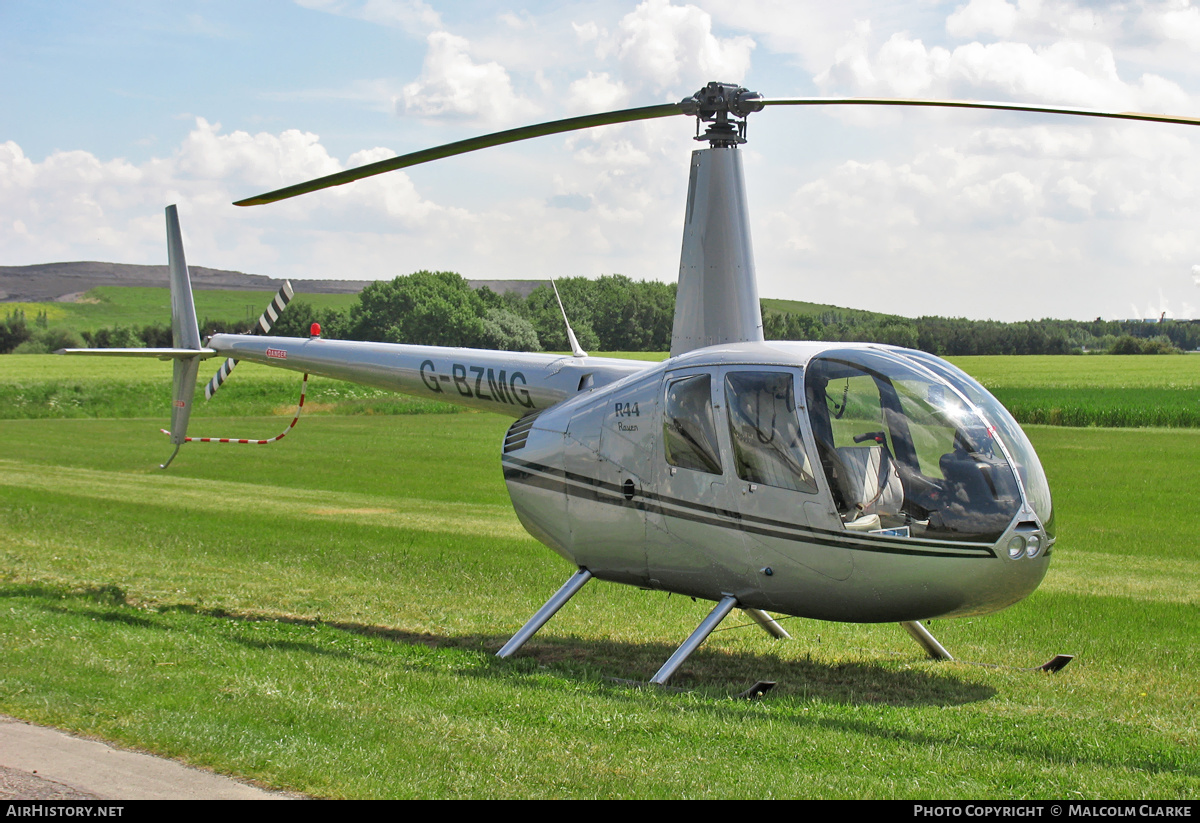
717,301
185,333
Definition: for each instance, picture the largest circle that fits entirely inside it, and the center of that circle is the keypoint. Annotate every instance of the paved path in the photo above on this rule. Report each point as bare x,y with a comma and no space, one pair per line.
37,763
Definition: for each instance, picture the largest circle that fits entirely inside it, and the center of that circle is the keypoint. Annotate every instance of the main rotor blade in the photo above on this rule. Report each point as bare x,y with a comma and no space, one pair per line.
499,138
977,104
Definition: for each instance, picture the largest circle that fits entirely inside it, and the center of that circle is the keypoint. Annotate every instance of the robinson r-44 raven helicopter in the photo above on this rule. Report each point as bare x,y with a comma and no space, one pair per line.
837,481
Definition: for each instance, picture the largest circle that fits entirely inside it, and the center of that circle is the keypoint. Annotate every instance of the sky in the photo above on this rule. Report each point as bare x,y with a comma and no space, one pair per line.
113,110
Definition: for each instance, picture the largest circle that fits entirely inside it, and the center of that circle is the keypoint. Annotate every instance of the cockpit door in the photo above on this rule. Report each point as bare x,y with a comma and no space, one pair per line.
785,507
694,540
609,456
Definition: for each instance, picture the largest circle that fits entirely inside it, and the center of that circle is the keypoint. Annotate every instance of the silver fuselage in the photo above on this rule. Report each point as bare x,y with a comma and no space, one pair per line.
589,477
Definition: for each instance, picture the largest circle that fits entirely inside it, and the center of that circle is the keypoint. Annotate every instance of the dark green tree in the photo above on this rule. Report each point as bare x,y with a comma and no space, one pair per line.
13,332
508,331
298,317
424,308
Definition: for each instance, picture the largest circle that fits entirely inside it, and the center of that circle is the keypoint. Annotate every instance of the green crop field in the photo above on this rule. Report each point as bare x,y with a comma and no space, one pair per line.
108,306
322,614
1108,391
1101,390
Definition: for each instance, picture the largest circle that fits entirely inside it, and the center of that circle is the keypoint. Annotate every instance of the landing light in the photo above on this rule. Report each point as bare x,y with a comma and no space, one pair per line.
1016,546
1033,545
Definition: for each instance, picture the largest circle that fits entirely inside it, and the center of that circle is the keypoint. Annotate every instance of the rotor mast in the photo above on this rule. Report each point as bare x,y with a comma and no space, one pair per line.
717,301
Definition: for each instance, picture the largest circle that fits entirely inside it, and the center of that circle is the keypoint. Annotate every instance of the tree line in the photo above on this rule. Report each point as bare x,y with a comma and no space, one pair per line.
615,313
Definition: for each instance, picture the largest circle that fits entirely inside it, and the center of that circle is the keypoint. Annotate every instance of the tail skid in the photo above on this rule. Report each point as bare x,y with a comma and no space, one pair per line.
278,437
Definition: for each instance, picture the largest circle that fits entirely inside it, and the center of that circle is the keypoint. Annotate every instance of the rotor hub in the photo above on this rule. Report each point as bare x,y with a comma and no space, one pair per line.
725,106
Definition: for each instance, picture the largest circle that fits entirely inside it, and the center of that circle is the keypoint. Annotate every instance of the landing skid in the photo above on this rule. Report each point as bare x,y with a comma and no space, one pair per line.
937,651
723,608
919,633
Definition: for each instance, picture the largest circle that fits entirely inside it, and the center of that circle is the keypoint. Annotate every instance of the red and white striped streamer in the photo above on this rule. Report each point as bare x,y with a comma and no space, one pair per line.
280,436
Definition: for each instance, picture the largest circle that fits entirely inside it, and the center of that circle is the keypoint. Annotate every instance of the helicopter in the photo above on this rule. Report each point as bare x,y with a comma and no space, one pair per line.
847,482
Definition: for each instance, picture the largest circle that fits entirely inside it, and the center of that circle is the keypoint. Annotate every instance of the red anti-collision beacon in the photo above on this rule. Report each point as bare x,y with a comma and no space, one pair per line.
315,331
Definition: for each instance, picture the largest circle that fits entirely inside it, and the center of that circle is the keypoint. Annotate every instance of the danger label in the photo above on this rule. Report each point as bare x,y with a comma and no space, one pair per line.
278,354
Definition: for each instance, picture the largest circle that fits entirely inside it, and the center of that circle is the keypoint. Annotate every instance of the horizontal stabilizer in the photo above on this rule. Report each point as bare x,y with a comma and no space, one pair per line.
161,354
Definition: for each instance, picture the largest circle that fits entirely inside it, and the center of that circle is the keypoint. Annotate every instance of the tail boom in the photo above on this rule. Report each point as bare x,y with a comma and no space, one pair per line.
513,383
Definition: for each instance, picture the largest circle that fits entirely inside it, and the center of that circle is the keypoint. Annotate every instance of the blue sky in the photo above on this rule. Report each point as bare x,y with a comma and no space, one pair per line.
113,110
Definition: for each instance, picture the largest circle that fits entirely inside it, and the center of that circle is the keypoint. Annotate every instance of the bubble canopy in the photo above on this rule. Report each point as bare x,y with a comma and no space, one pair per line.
911,447
1020,450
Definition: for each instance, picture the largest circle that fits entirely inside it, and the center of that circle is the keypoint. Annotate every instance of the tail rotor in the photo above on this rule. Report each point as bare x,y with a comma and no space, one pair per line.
265,322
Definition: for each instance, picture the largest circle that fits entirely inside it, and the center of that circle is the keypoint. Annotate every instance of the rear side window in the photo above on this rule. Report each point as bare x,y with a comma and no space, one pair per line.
689,433
767,445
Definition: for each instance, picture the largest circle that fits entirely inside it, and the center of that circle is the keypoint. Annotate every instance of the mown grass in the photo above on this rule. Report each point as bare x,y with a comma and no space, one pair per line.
321,615
107,306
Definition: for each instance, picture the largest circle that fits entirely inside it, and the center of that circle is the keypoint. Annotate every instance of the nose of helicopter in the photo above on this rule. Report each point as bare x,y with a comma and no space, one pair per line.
1022,557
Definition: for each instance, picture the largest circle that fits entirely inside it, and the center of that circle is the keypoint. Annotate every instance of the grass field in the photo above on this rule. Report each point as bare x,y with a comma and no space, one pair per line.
108,306
321,615
1057,390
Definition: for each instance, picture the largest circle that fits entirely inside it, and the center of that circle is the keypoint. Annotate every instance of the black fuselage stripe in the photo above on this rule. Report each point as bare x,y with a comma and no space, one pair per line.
586,488
810,532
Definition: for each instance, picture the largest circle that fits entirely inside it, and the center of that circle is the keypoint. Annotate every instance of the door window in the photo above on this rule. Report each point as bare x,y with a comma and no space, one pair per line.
767,444
689,433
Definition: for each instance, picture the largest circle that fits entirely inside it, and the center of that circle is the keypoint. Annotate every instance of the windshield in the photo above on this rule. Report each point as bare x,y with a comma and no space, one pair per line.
1033,477
903,453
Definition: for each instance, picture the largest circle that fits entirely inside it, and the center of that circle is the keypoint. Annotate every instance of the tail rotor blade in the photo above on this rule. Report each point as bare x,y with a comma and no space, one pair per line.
276,307
220,377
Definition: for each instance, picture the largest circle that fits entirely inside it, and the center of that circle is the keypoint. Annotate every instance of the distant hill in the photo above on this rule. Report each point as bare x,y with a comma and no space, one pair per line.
64,282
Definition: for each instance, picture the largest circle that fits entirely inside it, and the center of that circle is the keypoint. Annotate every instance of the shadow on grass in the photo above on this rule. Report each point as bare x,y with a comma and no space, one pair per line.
614,666
809,695
714,673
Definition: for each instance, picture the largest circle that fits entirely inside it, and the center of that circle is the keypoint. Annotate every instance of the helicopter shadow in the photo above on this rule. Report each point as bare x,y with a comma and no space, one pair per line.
619,665
616,665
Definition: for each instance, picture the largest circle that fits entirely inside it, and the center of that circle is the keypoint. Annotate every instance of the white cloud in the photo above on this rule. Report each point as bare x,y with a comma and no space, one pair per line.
259,159
995,17
596,92
661,47
73,205
1173,21
1036,20
1065,73
451,83
586,32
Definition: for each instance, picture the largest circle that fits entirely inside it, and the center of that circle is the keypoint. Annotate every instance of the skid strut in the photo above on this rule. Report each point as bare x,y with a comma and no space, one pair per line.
719,612
768,623
568,590
934,649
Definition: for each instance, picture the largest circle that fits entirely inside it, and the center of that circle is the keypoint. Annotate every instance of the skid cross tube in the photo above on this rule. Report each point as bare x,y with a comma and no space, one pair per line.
719,612
568,590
